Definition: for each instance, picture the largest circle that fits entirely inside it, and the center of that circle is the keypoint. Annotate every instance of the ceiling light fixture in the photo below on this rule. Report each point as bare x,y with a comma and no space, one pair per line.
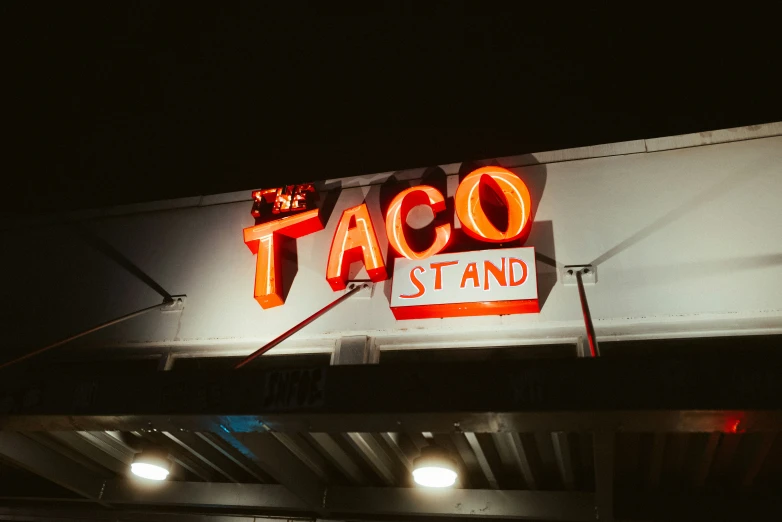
151,464
434,468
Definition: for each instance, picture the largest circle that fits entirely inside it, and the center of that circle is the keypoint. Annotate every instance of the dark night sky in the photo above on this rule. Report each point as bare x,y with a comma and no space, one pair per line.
117,102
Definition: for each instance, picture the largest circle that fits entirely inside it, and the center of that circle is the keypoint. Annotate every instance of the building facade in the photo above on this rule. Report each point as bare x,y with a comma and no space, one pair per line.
678,244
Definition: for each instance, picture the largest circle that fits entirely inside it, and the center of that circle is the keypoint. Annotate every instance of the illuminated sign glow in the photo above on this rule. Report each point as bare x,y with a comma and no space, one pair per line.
472,214
263,240
284,200
397,215
352,243
492,204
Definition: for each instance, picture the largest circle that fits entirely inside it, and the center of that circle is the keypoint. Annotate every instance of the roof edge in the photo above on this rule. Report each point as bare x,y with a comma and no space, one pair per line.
696,139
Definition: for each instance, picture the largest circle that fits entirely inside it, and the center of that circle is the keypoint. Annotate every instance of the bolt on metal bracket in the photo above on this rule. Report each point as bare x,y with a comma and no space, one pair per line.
365,293
588,274
177,305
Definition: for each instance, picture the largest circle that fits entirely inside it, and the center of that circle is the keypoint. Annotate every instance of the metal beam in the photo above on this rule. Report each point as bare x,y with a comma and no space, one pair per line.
418,440
403,449
585,446
110,445
466,463
659,421
354,503
276,460
722,467
208,455
707,457
371,451
564,458
94,445
234,456
604,475
676,459
66,513
51,442
759,457
338,457
183,457
202,494
50,465
689,507
456,443
304,453
166,362
483,461
520,452
461,503
233,502
358,502
628,394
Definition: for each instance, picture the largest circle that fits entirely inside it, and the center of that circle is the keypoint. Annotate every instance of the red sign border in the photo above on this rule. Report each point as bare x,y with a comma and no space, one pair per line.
439,311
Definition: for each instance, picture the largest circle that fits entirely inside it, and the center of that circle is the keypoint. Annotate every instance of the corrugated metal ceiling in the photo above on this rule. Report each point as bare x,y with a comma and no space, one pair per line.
680,462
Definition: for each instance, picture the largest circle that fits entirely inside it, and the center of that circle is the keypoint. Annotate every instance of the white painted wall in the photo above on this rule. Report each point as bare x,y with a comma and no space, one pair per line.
687,241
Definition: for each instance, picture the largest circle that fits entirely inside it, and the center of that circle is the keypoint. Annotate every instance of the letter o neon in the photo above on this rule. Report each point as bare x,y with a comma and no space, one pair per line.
472,216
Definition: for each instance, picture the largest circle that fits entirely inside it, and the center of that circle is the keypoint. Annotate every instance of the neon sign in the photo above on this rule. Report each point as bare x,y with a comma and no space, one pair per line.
352,244
427,282
471,212
263,240
397,215
284,200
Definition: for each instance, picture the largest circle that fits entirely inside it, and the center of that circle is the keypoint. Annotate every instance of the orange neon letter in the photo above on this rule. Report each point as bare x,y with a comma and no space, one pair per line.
508,187
513,261
354,240
418,284
471,272
397,215
263,240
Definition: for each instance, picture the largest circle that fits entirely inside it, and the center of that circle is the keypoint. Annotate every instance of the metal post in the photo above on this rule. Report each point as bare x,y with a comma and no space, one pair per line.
590,329
268,346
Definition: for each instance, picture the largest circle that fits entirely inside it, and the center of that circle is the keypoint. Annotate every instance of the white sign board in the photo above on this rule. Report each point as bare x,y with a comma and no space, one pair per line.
486,282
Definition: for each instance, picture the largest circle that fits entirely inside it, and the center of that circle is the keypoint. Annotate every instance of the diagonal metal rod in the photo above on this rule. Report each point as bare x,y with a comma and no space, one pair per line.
82,334
268,346
590,329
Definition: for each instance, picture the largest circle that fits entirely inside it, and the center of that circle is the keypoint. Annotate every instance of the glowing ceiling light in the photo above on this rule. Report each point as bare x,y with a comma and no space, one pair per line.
151,465
434,469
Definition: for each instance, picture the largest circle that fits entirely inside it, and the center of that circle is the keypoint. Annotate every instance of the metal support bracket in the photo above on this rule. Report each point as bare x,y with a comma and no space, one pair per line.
588,274
355,349
366,292
177,305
